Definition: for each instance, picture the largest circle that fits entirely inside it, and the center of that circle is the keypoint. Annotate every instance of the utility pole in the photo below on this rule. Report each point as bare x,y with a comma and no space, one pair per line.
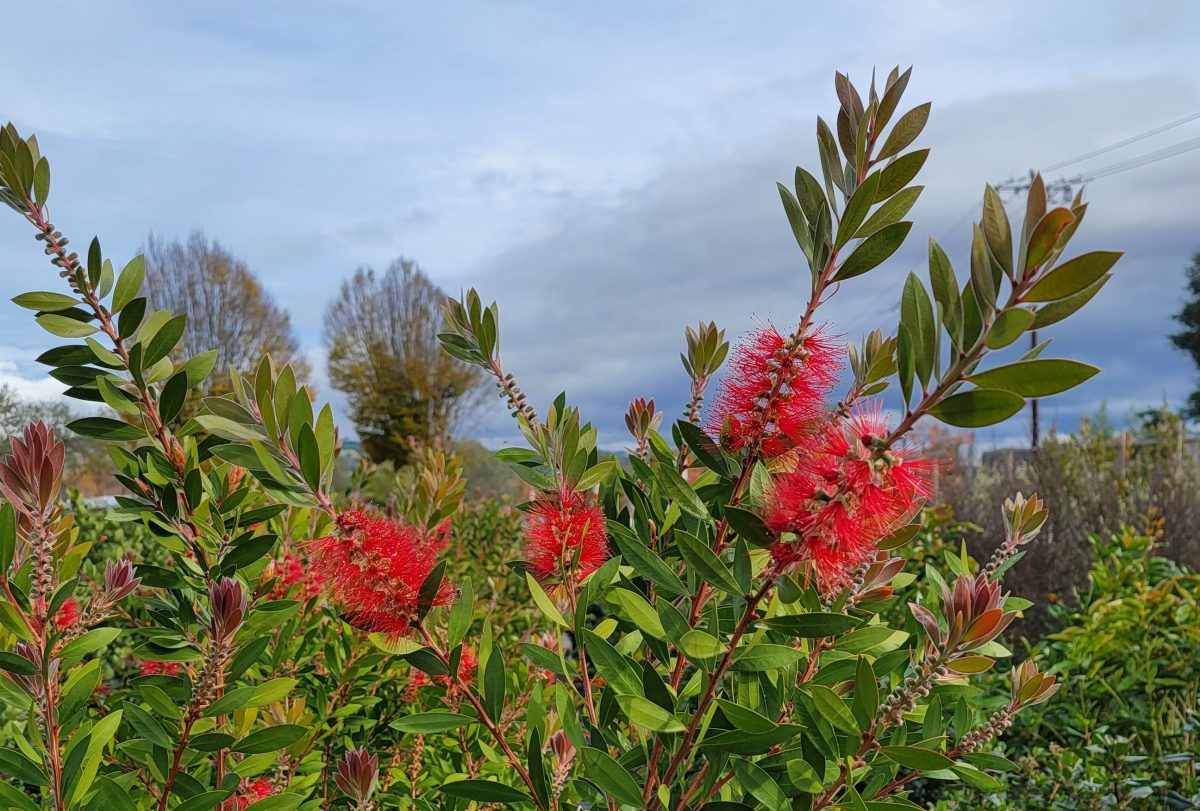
1057,191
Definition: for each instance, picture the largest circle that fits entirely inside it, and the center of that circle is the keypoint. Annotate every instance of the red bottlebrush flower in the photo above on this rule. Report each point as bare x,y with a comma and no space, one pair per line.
565,532
848,490
467,664
774,392
153,668
438,539
292,571
68,613
251,791
375,568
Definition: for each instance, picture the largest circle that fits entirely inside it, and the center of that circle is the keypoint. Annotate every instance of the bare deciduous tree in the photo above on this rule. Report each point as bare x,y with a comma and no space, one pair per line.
381,333
226,305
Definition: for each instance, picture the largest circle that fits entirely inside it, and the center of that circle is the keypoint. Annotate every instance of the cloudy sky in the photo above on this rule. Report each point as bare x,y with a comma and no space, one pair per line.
605,171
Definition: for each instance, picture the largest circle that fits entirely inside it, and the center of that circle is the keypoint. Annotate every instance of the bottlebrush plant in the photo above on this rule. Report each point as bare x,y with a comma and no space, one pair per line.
710,628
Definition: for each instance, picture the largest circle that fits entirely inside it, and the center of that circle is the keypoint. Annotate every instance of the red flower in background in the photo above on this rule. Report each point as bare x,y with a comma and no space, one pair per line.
68,613
775,391
251,791
565,532
293,571
374,568
846,491
152,668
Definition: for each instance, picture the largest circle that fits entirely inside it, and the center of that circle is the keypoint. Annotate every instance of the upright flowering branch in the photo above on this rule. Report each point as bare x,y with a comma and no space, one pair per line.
776,549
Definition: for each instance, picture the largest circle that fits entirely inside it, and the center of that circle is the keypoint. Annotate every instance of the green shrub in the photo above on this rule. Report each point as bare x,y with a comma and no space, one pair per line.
1122,731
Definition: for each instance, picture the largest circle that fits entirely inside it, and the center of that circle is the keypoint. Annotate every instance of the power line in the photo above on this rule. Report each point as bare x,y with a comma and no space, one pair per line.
1126,142
1144,160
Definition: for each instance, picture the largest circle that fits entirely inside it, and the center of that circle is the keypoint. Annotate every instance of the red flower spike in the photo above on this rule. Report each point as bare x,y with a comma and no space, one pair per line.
847,490
68,614
251,791
153,668
775,391
565,532
374,568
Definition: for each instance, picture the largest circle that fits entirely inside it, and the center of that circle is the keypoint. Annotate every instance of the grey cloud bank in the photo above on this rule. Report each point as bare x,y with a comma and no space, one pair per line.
606,174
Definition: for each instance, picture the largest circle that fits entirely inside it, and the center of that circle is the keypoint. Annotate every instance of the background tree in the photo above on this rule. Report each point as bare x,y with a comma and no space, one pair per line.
227,307
381,333
1188,339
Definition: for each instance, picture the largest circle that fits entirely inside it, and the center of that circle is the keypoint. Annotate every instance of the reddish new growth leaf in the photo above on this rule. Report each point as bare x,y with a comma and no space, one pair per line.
30,476
847,490
774,393
565,533
374,568
68,614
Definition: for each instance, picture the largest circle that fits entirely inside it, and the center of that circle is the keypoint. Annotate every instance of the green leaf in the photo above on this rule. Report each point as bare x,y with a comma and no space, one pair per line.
873,250
90,642
227,428
916,758
705,563
1045,236
916,313
644,561
996,229
543,601
487,791
610,776
174,393
14,798
107,429
618,671
645,713
639,611
833,709
748,525
906,131
680,492
164,340
146,725
812,626
436,721
1035,378
15,764
1073,276
1009,326
18,665
762,656
899,173
756,781
45,302
8,537
129,283
1056,311
65,326
977,408
700,645
856,210
271,739
270,692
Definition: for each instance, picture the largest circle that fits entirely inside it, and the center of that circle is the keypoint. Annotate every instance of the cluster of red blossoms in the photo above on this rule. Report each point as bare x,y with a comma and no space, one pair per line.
847,488
374,569
565,532
291,571
68,613
842,485
153,668
251,791
774,395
